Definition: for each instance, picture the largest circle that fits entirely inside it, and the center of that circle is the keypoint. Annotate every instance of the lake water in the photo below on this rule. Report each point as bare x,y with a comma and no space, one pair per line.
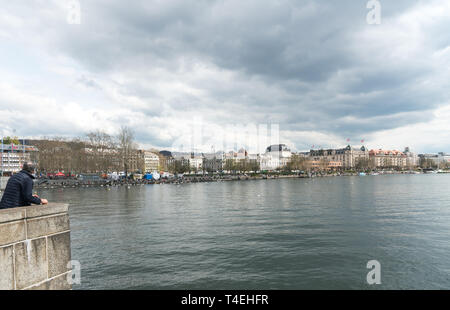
266,234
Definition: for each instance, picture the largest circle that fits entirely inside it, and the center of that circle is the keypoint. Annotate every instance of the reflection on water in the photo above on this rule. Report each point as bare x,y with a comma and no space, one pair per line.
266,234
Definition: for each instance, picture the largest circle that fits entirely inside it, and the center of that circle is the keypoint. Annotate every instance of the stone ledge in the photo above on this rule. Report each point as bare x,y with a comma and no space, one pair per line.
19,224
11,215
19,213
35,247
45,210
48,225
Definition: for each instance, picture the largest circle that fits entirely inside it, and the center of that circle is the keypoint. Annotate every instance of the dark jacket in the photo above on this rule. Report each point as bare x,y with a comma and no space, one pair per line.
19,191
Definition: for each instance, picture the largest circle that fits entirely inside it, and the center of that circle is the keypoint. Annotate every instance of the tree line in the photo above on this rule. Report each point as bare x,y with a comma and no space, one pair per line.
96,152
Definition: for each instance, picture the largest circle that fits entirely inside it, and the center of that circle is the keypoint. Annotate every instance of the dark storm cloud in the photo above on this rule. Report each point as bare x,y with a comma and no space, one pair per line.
305,40
304,64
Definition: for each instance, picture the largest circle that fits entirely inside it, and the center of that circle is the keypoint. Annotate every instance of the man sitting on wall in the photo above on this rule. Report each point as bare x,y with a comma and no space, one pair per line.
19,189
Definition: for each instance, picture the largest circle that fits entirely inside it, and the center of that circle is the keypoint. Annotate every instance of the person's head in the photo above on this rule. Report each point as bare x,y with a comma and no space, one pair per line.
29,167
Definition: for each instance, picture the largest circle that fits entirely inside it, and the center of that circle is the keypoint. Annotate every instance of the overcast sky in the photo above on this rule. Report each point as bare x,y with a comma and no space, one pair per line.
316,68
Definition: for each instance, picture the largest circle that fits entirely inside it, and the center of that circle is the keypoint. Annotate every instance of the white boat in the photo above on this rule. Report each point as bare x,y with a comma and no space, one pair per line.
156,175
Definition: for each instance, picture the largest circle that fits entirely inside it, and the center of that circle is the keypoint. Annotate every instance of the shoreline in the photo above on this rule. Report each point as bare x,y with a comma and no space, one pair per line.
73,183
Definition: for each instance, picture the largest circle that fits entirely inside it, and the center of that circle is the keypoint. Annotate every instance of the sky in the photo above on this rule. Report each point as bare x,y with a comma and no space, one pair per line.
173,69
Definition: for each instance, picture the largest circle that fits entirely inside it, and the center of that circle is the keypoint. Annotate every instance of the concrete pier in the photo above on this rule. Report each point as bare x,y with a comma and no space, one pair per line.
35,247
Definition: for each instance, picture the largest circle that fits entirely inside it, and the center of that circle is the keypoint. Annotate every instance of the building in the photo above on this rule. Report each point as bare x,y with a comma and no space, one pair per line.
134,161
213,162
275,157
12,157
150,162
196,163
439,160
412,159
324,165
269,163
165,160
240,161
189,162
387,159
179,163
348,157
444,159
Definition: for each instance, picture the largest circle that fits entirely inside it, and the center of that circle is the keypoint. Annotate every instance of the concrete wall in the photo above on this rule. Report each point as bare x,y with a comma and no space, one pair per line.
35,247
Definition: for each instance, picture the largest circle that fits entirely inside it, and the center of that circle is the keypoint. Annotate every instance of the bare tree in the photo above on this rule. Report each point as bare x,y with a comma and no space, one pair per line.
102,149
54,155
296,162
77,157
126,145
